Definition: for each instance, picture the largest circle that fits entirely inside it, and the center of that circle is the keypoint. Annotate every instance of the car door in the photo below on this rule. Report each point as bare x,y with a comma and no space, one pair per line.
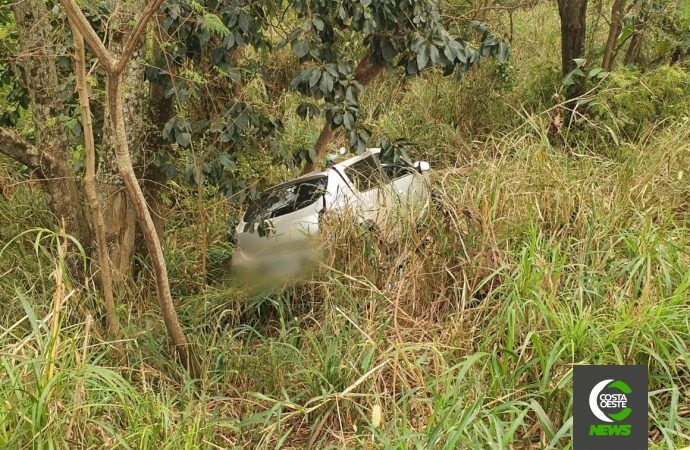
405,191
366,179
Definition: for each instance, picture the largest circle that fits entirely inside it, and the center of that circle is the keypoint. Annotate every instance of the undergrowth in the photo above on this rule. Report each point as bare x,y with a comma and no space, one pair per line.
461,332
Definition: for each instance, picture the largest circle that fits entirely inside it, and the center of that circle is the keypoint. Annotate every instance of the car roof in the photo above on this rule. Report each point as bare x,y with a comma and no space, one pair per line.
341,165
354,159
309,176
324,172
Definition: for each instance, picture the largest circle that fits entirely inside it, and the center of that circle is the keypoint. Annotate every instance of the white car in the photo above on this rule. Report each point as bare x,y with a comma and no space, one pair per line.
275,231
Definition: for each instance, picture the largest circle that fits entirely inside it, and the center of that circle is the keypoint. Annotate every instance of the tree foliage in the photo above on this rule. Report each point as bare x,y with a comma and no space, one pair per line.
204,74
406,34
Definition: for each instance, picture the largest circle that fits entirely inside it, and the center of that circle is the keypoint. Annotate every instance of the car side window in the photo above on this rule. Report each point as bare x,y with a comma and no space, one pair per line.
365,174
395,171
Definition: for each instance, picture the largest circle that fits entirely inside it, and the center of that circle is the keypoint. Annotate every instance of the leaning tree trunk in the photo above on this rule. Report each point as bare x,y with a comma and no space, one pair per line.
116,207
90,189
365,72
573,32
160,111
617,14
38,60
634,48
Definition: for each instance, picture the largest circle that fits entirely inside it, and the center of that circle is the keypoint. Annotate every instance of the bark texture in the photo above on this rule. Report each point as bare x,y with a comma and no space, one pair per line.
38,60
114,69
634,48
116,207
90,188
160,111
366,71
617,14
573,15
185,353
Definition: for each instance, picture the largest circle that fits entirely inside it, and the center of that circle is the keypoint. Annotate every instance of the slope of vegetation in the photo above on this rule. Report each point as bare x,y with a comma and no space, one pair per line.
538,254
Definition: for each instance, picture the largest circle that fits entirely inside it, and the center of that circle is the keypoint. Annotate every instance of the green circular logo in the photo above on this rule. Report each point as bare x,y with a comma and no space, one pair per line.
597,400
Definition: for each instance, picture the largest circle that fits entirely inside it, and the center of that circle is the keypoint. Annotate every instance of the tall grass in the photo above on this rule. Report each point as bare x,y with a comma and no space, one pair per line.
459,333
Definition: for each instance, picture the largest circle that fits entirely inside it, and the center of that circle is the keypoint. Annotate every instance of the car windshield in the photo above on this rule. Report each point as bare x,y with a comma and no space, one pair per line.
287,198
365,174
395,171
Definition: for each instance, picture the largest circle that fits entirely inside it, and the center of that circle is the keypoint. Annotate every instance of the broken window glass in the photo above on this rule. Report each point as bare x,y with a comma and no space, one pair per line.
286,198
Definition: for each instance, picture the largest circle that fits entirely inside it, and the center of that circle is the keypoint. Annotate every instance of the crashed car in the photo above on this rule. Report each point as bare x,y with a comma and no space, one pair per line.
275,232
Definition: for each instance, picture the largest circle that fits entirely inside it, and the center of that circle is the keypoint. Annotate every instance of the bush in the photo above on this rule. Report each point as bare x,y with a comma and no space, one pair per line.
632,103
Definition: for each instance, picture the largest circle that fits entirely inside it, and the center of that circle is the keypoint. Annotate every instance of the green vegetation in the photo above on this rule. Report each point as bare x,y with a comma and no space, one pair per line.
539,253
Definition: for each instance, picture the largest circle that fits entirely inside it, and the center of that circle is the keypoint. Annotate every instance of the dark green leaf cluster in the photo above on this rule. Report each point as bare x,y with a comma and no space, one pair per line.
238,126
202,71
396,33
394,152
214,28
12,77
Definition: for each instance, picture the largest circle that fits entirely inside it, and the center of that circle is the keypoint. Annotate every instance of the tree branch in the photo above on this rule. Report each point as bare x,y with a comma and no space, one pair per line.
19,149
140,27
114,70
81,23
90,188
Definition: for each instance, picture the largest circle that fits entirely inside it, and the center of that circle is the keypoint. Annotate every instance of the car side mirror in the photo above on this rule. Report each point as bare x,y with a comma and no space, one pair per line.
422,166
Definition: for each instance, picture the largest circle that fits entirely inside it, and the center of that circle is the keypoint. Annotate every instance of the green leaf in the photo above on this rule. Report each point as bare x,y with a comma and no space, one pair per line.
388,51
361,146
584,101
365,2
579,62
306,25
354,138
423,57
326,85
348,120
330,68
594,72
626,33
315,77
183,139
503,52
417,42
300,48
433,54
350,96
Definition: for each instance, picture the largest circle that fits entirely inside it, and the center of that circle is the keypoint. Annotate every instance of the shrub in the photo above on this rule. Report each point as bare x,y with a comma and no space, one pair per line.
632,103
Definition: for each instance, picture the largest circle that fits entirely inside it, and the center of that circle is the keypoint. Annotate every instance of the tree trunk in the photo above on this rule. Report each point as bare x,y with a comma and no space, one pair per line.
116,207
90,188
573,15
614,30
365,72
161,110
634,48
39,63
114,69
186,355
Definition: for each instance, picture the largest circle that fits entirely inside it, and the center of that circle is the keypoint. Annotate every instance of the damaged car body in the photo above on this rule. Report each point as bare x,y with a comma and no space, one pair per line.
275,234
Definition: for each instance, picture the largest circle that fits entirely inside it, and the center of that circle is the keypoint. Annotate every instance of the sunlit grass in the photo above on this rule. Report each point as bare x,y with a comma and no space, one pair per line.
462,331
